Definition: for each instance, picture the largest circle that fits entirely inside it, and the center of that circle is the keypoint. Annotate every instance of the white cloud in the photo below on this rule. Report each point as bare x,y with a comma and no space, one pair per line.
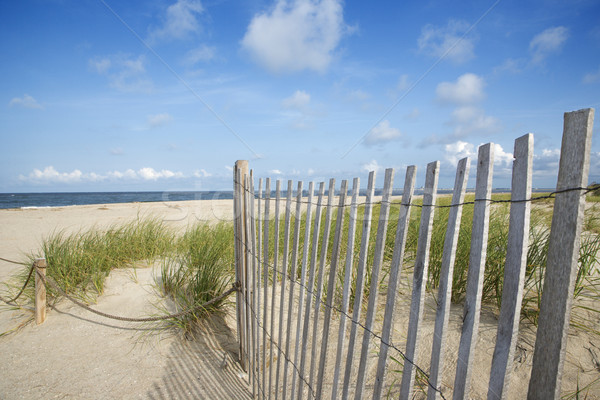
502,158
592,77
547,42
101,65
116,151
453,152
467,89
124,73
296,35
202,173
371,166
469,120
148,173
51,175
299,100
180,20
26,101
546,163
448,41
381,134
202,53
156,120
510,65
403,82
275,172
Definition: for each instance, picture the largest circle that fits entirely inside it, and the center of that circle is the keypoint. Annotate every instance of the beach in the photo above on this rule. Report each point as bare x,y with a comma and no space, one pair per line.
77,355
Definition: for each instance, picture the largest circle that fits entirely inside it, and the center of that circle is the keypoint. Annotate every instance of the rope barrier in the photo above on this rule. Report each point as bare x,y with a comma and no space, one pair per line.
13,262
46,280
12,301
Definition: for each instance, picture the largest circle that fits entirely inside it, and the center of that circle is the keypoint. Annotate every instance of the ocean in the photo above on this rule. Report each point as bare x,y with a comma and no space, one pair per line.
39,200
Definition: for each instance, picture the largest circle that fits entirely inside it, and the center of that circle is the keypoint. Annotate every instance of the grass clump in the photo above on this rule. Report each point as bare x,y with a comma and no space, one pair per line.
201,269
196,266
80,262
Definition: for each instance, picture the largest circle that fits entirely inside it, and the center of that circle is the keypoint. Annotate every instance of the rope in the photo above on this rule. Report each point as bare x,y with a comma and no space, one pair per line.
13,262
12,301
49,280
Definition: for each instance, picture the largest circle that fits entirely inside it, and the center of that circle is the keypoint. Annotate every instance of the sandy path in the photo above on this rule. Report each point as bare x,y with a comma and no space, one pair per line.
78,355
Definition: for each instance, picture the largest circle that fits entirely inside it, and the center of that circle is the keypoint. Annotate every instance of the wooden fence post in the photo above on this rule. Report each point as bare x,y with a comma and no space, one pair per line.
240,172
419,280
514,269
442,316
477,256
563,254
39,266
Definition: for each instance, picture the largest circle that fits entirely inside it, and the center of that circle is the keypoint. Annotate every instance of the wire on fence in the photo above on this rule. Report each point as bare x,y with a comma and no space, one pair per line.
551,195
345,314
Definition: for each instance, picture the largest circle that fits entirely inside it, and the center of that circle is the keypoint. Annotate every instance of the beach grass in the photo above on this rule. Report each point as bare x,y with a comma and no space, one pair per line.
201,269
196,266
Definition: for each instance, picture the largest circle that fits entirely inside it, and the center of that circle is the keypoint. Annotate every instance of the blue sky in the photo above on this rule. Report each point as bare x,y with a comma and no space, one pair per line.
105,95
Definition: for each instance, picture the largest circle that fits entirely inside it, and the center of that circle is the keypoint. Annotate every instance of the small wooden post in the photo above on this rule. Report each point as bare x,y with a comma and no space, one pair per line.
40,290
563,253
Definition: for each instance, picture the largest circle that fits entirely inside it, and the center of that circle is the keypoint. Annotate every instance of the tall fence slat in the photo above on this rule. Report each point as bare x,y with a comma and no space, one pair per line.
252,280
302,285
563,253
514,269
274,288
446,274
293,274
384,213
335,253
284,272
395,269
419,279
239,173
346,285
322,261
311,286
360,281
265,280
258,284
477,257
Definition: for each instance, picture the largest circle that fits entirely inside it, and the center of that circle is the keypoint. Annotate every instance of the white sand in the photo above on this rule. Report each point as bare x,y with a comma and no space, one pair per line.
78,355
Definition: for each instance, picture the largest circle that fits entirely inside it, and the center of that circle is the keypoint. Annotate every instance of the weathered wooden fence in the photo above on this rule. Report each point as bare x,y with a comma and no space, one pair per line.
289,305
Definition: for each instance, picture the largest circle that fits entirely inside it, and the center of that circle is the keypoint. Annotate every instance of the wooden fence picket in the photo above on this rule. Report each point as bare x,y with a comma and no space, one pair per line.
419,279
563,252
346,285
446,274
360,281
302,285
479,238
384,213
310,287
514,269
292,275
395,269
